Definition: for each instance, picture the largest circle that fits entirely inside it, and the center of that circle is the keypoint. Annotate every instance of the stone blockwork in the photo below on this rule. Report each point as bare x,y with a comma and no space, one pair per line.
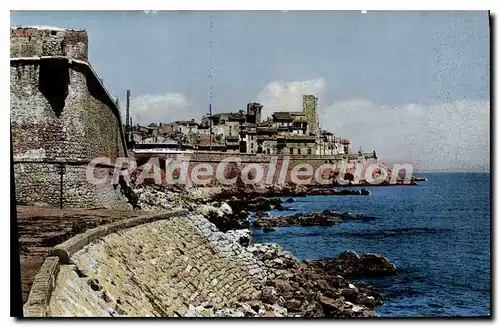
164,268
38,182
228,247
277,169
310,103
76,243
48,41
78,122
60,114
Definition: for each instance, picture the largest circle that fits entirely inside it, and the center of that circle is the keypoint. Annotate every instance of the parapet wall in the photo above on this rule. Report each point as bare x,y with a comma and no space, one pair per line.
41,41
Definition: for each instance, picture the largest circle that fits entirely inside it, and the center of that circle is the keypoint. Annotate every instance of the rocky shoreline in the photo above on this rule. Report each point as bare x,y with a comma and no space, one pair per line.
291,288
319,288
325,218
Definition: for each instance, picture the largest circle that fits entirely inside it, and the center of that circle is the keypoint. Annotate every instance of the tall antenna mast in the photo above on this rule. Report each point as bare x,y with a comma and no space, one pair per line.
318,130
127,118
210,77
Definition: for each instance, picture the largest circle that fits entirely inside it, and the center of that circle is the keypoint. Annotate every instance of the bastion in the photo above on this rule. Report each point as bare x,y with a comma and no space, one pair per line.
61,116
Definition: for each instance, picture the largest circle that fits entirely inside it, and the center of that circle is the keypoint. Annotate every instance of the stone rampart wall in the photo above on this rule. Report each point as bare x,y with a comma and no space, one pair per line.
276,169
61,114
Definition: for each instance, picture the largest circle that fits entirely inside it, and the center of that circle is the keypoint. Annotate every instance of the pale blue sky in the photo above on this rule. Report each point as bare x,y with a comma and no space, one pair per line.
387,57
381,59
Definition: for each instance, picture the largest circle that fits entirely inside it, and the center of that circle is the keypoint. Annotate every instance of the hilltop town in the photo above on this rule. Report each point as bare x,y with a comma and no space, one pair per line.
284,133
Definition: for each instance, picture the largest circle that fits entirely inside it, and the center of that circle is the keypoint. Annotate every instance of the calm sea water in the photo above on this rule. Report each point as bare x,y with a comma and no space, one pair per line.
437,234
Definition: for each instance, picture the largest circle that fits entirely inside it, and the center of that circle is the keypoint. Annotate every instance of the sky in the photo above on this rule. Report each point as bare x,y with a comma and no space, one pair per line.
412,85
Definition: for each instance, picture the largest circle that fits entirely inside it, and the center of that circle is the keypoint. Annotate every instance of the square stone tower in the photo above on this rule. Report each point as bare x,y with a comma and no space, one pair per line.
254,111
309,103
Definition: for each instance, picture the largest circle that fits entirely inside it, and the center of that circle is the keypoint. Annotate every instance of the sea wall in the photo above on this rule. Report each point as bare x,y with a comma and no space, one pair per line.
274,169
162,268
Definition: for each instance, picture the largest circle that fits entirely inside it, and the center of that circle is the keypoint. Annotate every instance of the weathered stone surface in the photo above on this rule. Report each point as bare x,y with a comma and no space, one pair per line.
352,265
75,243
41,291
163,268
325,218
43,41
241,236
61,113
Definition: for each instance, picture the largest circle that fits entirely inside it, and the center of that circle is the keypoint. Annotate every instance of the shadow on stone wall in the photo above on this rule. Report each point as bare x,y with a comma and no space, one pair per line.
53,83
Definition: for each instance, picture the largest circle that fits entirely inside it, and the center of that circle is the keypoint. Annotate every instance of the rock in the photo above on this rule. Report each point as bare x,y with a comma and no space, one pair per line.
309,219
314,309
350,294
349,255
278,206
209,211
368,313
269,295
278,261
315,288
293,304
268,229
241,236
224,222
377,265
368,301
247,310
228,312
279,311
282,285
226,209
330,306
349,216
191,312
350,264
322,284
270,313
289,200
357,308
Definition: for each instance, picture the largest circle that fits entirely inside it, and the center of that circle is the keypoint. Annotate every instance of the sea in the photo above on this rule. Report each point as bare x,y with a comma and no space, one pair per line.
437,233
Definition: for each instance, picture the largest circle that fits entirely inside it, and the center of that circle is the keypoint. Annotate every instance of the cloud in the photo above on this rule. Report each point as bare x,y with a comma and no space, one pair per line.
287,96
448,136
163,108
